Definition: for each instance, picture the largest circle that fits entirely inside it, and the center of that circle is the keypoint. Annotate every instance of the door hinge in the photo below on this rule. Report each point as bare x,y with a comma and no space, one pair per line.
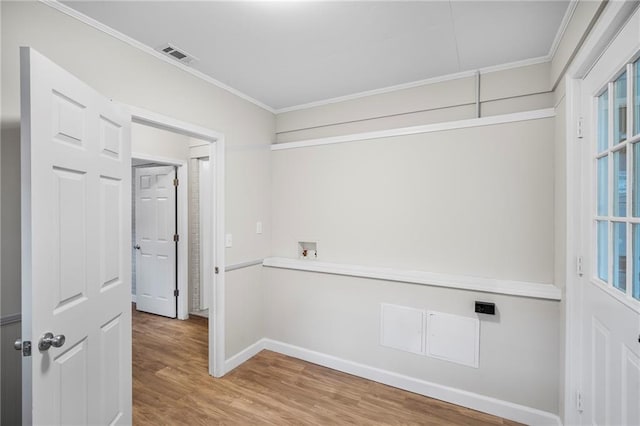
216,270
176,182
176,292
579,403
579,263
579,127
176,237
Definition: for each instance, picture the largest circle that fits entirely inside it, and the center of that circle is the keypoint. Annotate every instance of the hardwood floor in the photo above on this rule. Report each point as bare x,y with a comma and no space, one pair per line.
171,386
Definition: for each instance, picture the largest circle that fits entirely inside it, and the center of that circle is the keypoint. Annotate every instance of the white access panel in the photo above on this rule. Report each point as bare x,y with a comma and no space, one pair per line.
402,328
453,338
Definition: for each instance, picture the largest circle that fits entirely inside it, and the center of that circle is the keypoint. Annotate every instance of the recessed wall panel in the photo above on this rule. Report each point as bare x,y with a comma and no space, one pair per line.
402,328
73,385
110,253
453,338
110,368
70,220
68,120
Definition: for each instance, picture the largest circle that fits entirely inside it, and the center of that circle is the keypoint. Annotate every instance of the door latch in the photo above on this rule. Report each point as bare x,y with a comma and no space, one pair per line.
25,347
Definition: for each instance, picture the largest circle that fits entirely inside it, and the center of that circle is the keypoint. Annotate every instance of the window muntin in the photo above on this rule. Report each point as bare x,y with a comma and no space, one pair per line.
617,184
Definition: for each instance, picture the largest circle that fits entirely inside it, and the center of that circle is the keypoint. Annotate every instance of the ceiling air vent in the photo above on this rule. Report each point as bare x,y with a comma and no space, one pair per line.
177,53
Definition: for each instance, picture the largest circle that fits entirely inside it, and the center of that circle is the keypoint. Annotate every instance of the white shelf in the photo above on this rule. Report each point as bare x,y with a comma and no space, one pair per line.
462,282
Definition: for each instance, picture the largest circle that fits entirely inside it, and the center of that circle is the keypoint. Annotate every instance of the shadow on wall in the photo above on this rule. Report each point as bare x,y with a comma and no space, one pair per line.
10,360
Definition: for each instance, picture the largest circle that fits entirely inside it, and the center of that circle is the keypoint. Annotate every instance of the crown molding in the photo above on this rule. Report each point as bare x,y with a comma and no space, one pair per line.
143,47
448,77
562,29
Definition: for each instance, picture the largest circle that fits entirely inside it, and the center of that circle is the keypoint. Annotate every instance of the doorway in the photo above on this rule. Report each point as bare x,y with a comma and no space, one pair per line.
155,238
212,146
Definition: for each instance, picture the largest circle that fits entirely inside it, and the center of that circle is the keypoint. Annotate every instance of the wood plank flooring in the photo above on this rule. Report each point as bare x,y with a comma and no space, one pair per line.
171,387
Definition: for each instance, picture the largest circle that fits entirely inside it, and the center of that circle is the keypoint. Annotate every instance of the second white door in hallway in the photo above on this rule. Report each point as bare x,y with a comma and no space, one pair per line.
155,245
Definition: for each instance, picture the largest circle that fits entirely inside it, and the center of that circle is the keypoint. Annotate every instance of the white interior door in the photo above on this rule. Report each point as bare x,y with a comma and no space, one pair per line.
76,205
206,222
610,288
156,277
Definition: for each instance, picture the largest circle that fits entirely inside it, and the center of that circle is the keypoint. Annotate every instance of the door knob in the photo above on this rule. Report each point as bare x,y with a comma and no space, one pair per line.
17,345
49,340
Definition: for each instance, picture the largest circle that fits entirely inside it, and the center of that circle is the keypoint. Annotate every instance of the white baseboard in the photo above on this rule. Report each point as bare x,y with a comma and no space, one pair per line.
485,404
133,298
243,356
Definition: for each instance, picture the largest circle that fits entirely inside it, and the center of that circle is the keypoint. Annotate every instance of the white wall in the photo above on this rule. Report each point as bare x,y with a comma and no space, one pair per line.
128,75
513,90
476,201
340,316
160,143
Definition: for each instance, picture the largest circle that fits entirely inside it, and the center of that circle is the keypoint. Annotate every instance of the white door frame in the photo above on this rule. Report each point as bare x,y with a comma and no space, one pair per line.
217,153
182,199
611,21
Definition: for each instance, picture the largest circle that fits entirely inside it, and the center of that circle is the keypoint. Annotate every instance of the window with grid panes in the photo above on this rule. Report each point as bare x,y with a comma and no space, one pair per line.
617,183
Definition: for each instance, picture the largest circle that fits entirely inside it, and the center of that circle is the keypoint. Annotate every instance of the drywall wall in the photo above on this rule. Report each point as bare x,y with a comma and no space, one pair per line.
128,75
10,221
160,143
340,316
10,367
511,90
475,201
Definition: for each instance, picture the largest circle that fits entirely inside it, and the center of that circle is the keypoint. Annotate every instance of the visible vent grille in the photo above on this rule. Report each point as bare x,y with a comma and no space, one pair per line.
177,53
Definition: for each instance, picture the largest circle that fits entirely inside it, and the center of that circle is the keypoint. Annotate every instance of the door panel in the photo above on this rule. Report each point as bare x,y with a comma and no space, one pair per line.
610,312
76,261
155,227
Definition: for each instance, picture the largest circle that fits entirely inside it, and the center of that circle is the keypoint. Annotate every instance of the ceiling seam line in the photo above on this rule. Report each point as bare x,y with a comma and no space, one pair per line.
455,36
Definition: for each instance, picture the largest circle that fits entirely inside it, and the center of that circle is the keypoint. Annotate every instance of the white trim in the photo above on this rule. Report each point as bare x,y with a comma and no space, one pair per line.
133,298
217,153
562,29
427,128
242,265
143,47
418,83
460,282
183,227
244,355
474,401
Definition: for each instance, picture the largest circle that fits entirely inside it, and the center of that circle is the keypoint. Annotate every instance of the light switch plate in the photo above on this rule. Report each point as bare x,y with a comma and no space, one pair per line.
258,227
228,240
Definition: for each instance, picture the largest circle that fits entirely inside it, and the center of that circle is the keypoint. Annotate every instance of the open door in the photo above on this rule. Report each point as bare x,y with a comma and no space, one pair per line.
156,240
76,259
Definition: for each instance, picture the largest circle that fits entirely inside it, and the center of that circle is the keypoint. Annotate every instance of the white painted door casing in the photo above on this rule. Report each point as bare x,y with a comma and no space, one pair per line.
155,229
76,275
